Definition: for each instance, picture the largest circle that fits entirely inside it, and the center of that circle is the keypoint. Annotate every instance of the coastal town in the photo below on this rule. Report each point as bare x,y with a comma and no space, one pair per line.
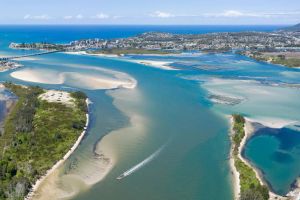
275,41
278,47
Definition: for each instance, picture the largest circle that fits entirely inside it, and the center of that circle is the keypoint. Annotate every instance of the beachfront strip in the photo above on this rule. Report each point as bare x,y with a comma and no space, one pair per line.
41,131
178,42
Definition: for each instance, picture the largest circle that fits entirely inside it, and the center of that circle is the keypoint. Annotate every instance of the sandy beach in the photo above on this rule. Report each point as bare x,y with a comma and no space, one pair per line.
91,54
165,65
235,174
60,162
249,131
271,122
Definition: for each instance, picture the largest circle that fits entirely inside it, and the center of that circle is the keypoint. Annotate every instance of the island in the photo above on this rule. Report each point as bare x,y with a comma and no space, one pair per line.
42,128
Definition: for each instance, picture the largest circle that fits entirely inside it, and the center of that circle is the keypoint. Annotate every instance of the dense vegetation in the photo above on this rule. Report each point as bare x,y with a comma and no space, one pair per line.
36,135
277,59
250,185
117,51
289,62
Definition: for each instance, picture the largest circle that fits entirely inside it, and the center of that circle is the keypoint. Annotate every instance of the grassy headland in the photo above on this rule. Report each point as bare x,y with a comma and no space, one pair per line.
36,135
249,184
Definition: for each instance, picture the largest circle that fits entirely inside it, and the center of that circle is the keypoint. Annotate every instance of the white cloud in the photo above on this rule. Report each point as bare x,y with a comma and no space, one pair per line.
161,14
232,13
68,17
117,17
79,16
237,13
37,17
101,16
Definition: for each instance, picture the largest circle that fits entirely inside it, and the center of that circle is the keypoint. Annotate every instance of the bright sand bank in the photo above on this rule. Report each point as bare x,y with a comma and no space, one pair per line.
38,76
76,79
271,122
91,54
157,64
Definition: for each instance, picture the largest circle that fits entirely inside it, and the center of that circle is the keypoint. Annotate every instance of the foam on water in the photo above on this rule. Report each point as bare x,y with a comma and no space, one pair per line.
141,164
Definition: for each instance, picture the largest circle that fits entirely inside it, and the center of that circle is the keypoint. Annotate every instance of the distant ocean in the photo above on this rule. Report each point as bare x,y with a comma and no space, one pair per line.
52,33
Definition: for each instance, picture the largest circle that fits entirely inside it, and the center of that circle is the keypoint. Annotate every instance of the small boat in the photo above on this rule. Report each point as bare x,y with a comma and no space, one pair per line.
141,164
120,177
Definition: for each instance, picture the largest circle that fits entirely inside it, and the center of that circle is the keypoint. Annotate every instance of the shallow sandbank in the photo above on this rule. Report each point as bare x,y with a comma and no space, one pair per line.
76,79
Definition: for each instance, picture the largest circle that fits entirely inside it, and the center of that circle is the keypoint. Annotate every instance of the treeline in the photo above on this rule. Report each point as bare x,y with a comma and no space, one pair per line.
80,98
250,186
36,135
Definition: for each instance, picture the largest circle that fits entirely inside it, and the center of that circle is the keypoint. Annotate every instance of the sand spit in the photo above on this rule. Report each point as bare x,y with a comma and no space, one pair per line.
93,82
26,59
165,65
271,122
92,54
60,162
109,80
65,183
235,174
38,76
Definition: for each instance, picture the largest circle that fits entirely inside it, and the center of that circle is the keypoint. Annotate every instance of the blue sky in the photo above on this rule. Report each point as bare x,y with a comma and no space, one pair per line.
150,12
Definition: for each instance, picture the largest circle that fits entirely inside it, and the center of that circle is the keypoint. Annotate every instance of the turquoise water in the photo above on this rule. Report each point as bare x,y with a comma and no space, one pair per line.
282,150
167,109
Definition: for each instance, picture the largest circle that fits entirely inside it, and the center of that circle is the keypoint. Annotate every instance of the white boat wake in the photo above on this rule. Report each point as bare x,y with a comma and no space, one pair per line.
141,164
